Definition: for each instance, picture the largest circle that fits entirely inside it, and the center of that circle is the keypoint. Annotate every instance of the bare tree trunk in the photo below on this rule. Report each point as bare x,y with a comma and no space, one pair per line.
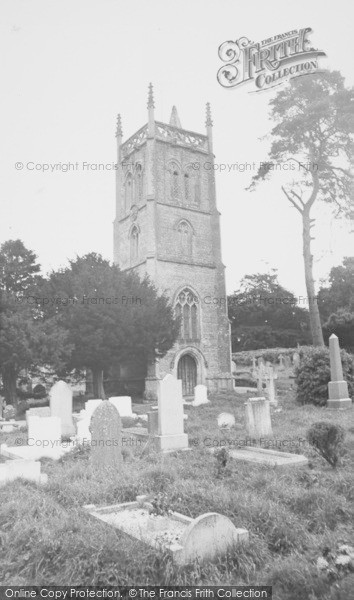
9,380
98,389
315,321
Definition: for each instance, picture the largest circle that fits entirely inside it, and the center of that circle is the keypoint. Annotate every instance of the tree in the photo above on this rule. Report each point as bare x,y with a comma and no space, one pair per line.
26,339
264,314
336,304
314,118
110,316
340,291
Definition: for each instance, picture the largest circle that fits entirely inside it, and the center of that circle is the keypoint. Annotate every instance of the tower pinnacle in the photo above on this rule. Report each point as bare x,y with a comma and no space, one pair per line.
174,120
151,103
208,121
119,131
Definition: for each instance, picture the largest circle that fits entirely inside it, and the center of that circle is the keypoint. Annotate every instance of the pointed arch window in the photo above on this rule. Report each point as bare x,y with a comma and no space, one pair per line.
185,234
175,191
134,244
187,187
128,191
138,183
187,307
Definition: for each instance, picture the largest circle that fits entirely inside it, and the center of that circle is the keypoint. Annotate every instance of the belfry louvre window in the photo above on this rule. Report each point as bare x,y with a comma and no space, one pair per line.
187,308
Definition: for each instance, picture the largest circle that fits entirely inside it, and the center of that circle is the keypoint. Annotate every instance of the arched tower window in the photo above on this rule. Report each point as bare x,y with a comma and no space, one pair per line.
185,234
175,192
128,191
134,244
187,188
138,183
187,308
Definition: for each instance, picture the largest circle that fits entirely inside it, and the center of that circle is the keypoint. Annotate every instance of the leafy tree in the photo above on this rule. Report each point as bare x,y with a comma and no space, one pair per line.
111,316
314,118
336,304
26,340
264,314
19,271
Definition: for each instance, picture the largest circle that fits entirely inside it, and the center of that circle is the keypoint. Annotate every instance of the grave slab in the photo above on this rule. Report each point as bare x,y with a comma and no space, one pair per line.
204,538
35,452
263,456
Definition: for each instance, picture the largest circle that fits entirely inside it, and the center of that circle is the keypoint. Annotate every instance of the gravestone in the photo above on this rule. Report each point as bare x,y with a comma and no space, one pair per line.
338,396
200,395
39,411
45,434
270,387
83,432
61,405
171,434
257,418
106,439
205,538
123,405
281,361
287,361
91,405
296,359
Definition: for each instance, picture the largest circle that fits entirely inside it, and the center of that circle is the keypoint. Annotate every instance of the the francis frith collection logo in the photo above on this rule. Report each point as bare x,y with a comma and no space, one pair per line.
269,62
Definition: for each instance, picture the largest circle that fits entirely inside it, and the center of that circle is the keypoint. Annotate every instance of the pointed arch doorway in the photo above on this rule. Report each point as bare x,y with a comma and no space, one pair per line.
187,371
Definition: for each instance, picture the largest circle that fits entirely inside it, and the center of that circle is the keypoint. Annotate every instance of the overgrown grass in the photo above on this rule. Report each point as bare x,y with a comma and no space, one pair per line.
292,515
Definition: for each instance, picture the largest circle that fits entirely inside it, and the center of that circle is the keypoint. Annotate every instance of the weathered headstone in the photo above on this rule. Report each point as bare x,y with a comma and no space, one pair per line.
200,395
281,361
61,405
233,367
171,434
106,439
257,417
296,359
338,396
123,405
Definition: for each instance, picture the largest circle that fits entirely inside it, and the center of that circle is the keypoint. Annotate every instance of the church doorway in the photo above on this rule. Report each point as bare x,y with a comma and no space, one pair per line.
187,371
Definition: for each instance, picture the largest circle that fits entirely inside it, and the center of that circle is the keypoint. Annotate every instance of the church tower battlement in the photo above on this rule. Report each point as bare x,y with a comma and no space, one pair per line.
167,226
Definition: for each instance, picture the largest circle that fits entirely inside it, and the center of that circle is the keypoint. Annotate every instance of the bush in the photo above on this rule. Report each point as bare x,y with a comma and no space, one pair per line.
327,439
314,373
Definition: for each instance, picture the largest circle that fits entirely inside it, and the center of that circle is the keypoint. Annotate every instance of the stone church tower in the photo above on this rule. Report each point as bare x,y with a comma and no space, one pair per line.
167,226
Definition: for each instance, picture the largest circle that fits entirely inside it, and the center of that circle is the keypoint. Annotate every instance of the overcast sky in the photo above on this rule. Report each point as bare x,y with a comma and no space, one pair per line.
69,66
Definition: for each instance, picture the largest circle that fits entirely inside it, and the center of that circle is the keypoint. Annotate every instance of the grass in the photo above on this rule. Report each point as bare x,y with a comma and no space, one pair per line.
293,516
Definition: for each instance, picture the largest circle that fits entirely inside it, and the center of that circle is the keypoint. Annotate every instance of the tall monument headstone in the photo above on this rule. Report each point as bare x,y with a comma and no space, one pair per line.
338,396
